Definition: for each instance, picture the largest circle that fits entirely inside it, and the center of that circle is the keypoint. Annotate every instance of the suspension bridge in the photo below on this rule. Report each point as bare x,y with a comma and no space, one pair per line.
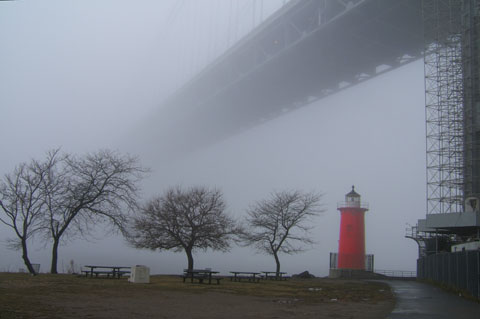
309,49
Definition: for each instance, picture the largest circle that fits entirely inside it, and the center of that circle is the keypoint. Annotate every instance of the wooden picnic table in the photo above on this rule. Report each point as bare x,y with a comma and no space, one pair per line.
276,276
251,276
115,271
200,275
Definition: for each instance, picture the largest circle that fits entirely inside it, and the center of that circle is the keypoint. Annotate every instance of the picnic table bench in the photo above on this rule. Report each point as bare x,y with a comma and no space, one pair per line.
106,271
276,275
201,275
250,276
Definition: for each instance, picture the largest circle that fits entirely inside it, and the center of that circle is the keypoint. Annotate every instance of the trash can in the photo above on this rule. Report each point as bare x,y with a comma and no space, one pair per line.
140,274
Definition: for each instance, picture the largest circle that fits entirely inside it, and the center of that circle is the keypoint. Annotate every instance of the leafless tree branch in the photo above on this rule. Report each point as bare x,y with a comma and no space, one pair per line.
84,191
279,224
22,202
184,220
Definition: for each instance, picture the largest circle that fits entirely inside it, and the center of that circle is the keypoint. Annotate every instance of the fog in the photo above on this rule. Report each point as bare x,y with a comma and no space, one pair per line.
81,75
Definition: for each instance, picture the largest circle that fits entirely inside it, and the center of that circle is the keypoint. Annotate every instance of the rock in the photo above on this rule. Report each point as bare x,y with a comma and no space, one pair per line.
304,275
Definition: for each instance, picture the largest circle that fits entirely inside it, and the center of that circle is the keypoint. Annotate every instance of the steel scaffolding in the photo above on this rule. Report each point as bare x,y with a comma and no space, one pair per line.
444,106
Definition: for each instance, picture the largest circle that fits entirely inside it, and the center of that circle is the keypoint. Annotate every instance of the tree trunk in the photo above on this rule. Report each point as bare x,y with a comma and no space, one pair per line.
53,268
25,258
190,258
278,263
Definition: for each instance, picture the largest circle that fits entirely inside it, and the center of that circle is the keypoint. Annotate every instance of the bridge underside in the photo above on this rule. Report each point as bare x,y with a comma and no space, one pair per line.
308,50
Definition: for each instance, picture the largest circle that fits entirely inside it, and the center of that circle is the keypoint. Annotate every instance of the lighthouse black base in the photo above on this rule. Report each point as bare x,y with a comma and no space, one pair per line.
367,273
353,274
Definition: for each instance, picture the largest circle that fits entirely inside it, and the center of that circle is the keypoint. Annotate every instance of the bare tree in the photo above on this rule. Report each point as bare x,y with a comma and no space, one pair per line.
85,191
22,200
279,224
185,220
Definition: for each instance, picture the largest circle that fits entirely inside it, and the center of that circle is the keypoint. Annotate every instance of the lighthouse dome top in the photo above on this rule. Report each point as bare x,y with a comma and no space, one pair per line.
352,194
352,199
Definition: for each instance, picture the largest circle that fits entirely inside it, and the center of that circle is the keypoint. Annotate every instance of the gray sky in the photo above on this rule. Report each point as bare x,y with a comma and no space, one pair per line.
79,74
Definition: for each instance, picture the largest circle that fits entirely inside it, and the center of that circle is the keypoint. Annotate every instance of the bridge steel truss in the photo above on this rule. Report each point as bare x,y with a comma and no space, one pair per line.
306,51
444,105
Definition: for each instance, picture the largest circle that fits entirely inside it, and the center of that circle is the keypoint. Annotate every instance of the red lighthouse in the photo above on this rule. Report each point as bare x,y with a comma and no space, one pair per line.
351,246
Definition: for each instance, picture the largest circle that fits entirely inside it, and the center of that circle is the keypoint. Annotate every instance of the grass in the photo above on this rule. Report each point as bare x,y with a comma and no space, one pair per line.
22,295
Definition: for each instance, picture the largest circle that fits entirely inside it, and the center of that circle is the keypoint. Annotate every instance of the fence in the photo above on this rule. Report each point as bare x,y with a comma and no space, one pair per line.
460,270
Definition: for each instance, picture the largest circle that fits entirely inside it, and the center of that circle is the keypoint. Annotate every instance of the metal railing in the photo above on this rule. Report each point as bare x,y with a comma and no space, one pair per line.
352,204
396,273
369,261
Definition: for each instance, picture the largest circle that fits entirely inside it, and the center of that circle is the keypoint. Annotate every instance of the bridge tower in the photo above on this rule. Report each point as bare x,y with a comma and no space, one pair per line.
351,246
